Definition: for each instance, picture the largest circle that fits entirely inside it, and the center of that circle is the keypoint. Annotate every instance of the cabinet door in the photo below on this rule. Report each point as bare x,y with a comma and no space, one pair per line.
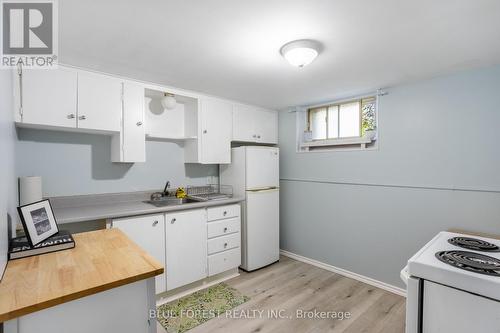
134,140
49,97
266,126
99,102
243,123
216,131
186,239
149,233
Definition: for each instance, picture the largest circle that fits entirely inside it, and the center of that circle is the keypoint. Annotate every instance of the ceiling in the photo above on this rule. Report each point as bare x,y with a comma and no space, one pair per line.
231,48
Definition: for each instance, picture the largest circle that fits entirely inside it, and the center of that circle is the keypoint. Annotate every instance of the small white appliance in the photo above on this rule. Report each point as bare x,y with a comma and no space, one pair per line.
453,285
30,189
254,174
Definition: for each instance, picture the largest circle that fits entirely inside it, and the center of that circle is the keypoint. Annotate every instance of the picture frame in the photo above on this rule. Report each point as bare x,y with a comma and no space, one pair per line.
38,221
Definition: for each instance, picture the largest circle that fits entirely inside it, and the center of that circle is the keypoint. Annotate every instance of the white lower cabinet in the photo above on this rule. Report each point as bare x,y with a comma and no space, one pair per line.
149,233
189,246
223,212
223,261
224,238
186,247
223,227
224,243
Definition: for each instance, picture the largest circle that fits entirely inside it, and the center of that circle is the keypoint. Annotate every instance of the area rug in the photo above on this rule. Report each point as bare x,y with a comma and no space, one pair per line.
190,311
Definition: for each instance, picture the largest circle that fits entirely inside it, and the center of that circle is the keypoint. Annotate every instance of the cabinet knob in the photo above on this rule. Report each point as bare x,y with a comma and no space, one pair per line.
139,123
225,245
82,117
155,223
254,136
258,136
225,229
204,131
71,116
173,221
225,213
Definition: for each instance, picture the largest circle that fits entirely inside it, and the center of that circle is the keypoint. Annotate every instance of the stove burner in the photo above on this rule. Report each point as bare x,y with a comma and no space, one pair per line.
474,244
471,261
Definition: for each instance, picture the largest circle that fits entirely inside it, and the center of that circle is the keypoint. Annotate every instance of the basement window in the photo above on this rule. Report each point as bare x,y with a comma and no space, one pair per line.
348,124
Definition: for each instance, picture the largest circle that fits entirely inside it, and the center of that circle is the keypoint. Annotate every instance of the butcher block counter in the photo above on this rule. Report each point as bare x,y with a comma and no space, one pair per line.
103,262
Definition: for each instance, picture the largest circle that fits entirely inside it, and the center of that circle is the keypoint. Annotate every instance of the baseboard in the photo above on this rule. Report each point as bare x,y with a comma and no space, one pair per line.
346,273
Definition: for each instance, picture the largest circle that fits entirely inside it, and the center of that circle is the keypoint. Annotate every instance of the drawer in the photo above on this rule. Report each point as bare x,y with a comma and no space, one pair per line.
223,227
224,243
221,262
223,212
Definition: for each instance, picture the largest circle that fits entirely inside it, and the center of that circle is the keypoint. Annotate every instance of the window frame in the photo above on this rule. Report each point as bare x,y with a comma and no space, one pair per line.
338,104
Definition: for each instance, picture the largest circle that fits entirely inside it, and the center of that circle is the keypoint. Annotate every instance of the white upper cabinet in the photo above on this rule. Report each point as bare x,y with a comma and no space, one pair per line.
216,131
129,145
251,124
243,123
47,97
68,98
72,99
99,102
134,141
213,145
266,126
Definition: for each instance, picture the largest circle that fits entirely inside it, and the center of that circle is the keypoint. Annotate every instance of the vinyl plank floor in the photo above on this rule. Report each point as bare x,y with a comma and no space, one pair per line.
289,287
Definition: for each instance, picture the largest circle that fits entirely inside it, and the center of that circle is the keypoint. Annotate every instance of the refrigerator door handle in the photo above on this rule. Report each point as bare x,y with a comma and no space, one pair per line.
269,189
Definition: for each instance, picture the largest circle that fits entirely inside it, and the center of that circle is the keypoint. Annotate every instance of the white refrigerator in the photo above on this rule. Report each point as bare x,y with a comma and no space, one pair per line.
254,174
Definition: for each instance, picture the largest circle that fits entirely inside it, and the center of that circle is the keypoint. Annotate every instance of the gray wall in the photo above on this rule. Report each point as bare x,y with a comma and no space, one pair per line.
437,167
7,178
76,163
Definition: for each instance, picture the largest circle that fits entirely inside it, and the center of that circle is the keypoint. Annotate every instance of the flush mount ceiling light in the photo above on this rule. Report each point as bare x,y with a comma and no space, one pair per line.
301,52
168,101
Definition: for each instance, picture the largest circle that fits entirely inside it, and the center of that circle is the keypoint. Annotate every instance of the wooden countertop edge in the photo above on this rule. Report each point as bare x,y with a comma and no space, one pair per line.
76,295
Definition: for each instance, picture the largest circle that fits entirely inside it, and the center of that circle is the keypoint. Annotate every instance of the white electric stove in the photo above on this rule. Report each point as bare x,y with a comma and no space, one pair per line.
453,285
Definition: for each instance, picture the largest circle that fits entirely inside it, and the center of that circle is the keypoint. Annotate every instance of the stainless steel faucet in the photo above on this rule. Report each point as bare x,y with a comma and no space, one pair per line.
160,195
165,190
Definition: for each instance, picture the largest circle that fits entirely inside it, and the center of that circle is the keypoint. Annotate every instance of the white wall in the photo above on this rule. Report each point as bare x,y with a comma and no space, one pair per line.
8,196
76,163
437,167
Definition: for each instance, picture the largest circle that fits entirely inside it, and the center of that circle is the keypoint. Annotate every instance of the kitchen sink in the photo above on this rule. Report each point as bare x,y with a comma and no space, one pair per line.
170,201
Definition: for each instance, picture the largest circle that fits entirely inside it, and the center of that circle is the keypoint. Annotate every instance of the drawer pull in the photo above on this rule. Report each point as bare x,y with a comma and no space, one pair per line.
225,245
225,229
155,223
173,220
225,213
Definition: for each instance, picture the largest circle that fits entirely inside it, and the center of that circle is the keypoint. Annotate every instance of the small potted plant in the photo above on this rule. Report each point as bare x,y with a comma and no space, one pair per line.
369,123
370,133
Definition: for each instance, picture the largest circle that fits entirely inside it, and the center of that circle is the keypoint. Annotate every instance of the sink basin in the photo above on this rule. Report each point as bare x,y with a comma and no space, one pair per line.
169,201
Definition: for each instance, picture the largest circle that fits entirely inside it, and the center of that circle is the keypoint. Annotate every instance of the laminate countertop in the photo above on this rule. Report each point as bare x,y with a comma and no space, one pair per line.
101,260
108,206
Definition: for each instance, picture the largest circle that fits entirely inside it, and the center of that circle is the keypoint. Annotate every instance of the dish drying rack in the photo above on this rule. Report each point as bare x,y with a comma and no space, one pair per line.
209,192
